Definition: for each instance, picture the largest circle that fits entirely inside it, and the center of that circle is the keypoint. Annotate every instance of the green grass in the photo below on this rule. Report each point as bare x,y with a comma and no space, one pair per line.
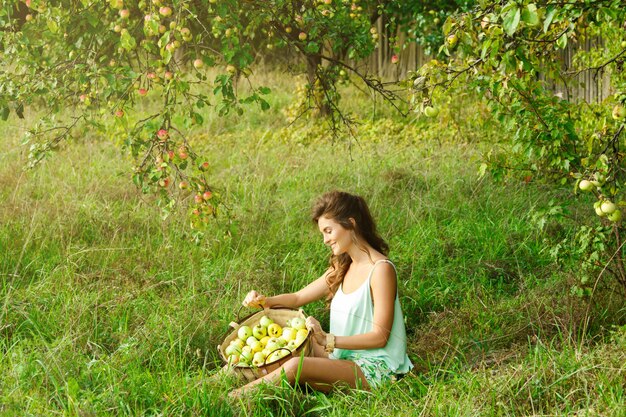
108,310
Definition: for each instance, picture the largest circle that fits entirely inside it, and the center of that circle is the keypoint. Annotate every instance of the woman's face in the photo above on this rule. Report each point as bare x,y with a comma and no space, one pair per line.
337,237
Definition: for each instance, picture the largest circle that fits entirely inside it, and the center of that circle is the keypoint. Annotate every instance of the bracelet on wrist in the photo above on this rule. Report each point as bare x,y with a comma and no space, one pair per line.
330,342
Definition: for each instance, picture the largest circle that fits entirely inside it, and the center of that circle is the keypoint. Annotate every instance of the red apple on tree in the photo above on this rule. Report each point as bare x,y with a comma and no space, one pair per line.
394,59
124,13
302,36
165,11
162,134
142,91
204,166
119,113
207,195
197,63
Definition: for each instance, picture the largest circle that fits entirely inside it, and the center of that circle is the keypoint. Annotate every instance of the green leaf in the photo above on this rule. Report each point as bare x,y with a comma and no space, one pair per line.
447,26
52,26
529,15
549,16
562,41
4,113
127,41
19,110
511,21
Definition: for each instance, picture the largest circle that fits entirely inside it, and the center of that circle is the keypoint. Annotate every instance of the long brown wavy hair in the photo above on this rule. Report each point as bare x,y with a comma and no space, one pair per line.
341,206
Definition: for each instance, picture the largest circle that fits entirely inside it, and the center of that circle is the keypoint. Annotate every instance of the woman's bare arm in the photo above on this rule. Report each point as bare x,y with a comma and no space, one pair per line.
312,292
384,287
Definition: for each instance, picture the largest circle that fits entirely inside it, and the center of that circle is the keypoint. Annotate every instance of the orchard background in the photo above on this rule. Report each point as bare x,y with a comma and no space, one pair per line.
160,158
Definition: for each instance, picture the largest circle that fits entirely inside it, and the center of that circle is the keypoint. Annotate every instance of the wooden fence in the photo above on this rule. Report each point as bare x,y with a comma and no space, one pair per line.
591,86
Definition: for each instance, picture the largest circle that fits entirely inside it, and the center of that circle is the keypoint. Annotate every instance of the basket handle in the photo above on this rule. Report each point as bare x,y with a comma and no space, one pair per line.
275,350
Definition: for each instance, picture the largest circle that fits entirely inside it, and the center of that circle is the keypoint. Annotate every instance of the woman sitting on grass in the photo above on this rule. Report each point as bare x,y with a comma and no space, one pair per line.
366,346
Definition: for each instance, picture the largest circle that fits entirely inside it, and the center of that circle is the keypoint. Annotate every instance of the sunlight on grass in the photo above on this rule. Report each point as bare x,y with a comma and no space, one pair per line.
109,310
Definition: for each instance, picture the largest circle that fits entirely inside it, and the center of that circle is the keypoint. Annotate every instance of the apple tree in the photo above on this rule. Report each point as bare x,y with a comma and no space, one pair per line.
88,65
509,52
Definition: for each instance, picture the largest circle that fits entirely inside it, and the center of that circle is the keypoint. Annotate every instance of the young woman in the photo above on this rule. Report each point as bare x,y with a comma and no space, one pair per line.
366,345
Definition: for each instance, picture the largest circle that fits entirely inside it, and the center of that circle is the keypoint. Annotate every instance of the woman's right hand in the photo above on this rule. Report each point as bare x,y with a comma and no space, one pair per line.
254,299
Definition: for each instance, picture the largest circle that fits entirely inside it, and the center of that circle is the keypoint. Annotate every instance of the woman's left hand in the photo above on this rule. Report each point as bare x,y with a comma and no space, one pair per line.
316,329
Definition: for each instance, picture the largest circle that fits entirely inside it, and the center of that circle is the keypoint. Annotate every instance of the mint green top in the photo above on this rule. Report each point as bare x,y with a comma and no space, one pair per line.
353,313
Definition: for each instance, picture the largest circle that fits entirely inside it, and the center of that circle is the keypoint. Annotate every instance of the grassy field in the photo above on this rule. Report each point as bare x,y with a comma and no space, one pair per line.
106,309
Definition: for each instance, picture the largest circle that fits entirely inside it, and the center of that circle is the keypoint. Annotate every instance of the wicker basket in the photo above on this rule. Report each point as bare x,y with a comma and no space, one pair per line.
278,315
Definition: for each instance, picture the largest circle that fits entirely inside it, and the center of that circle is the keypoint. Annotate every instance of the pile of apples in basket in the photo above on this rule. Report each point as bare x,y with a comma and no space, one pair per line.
266,342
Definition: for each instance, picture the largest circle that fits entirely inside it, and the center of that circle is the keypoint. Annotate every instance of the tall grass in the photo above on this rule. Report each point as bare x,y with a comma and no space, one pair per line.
107,309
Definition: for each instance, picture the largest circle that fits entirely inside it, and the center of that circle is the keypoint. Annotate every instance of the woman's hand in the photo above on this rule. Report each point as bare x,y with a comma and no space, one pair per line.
254,299
316,330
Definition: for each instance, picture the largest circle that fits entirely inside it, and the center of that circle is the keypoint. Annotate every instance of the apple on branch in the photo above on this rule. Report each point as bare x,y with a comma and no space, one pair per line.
165,11
162,134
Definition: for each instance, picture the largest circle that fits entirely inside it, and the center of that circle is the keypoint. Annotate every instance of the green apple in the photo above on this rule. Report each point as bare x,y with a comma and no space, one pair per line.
259,331
586,185
289,333
256,346
258,359
452,39
292,345
265,321
250,340
301,335
272,344
619,112
599,212
430,111
232,349
246,354
244,332
607,207
298,323
615,216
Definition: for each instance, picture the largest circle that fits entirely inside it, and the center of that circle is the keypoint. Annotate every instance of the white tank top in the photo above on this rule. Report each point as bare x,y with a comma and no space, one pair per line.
353,313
